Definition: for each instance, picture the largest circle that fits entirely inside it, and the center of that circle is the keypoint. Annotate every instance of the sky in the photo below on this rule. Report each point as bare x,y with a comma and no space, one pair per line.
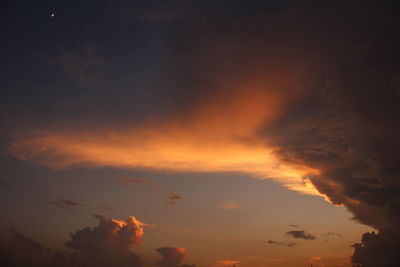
189,133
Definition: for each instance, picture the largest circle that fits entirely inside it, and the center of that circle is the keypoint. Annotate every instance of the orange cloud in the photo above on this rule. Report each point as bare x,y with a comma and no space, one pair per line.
219,134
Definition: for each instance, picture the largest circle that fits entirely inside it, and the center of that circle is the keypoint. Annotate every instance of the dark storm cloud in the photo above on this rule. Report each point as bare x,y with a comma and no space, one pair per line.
300,235
377,249
63,203
171,257
279,243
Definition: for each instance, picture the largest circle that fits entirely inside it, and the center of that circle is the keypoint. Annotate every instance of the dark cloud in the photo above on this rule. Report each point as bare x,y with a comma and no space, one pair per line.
279,243
63,203
377,249
171,257
300,235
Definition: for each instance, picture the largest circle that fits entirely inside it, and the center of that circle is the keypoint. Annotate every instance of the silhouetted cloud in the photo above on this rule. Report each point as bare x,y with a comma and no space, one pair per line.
171,257
63,203
300,235
280,243
377,249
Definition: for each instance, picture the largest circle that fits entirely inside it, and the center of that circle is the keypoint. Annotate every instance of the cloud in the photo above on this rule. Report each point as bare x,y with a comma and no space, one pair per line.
227,262
286,244
229,206
23,251
377,249
64,203
300,235
294,225
171,257
317,113
108,244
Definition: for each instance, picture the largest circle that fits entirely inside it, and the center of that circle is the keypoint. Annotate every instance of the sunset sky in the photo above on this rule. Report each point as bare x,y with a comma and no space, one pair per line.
188,133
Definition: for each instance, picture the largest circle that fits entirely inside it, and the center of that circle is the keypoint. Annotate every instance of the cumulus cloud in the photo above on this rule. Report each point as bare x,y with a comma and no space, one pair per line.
108,244
279,243
300,235
171,257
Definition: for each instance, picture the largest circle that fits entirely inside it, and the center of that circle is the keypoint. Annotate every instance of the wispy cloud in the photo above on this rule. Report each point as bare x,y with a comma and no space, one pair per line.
301,235
64,203
280,243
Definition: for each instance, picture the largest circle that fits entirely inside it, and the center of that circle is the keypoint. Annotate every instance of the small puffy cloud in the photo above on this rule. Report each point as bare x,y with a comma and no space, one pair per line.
300,235
229,206
64,203
171,257
279,243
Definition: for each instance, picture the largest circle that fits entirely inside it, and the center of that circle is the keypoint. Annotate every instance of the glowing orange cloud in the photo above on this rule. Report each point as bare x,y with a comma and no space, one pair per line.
219,134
